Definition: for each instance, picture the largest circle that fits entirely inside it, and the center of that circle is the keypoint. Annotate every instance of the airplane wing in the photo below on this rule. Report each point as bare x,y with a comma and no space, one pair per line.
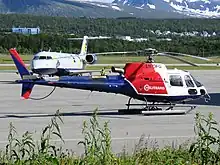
125,52
103,53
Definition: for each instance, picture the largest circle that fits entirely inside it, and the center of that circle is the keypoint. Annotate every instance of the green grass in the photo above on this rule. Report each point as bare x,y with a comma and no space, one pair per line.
6,59
125,59
97,144
119,59
215,59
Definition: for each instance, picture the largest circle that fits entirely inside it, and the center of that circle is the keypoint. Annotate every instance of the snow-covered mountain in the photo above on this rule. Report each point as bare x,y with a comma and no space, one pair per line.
115,8
198,8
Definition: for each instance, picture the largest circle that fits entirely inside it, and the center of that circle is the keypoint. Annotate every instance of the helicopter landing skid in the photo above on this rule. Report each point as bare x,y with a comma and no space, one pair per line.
157,109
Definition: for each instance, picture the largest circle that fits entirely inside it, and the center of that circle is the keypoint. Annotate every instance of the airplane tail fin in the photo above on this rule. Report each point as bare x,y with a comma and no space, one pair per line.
84,46
23,71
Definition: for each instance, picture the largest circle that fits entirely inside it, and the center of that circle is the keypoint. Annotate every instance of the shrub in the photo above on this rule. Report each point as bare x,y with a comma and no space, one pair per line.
206,148
97,147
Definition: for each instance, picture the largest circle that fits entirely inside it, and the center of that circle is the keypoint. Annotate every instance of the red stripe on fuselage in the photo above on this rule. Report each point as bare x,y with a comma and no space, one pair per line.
27,94
15,54
144,78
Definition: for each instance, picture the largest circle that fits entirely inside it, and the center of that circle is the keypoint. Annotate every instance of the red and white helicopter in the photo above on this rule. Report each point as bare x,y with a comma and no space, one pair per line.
146,81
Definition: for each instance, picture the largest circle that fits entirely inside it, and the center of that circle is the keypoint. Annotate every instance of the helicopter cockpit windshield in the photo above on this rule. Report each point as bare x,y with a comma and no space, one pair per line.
198,84
190,81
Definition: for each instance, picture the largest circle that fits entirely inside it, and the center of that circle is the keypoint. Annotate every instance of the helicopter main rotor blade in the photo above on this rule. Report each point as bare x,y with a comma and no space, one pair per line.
176,58
8,82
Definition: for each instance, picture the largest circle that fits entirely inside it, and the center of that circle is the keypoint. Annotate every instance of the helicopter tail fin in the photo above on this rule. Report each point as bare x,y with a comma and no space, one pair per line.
26,90
20,65
23,71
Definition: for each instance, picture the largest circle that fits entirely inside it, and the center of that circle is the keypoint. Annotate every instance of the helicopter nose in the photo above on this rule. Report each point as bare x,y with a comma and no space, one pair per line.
205,94
203,91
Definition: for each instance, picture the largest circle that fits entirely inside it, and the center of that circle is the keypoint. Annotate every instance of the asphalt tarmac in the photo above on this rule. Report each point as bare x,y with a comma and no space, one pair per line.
77,106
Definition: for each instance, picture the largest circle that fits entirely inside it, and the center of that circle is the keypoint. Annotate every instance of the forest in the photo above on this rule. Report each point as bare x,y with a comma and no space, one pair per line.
56,30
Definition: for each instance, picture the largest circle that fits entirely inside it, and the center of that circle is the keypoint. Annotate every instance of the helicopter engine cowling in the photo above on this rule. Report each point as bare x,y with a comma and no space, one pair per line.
91,58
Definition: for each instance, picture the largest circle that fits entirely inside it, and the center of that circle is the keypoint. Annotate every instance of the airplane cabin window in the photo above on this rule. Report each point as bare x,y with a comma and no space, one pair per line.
188,80
176,80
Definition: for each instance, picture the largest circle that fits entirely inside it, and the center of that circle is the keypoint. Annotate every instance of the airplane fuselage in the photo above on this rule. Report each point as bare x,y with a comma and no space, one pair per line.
55,63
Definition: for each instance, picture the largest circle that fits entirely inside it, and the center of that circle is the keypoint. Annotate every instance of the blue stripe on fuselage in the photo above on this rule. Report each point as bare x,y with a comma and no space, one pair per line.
110,84
21,68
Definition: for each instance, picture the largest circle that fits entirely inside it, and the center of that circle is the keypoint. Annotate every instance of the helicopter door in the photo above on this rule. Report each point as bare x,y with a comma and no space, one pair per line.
176,83
189,84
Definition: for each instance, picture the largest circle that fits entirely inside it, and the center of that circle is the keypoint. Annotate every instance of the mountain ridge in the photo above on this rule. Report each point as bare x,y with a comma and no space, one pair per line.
198,8
156,9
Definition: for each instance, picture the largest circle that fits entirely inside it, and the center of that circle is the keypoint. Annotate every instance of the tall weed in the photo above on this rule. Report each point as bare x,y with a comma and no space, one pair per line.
97,145
207,146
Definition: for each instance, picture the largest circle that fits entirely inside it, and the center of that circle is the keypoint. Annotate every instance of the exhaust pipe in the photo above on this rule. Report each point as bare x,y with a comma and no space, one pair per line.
117,70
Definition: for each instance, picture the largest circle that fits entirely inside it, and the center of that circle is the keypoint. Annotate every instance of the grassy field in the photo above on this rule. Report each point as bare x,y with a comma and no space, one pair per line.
109,59
97,143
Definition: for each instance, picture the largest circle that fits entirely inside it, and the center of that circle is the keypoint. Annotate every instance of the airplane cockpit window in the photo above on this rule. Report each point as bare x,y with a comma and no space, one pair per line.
198,84
42,58
36,58
176,80
188,80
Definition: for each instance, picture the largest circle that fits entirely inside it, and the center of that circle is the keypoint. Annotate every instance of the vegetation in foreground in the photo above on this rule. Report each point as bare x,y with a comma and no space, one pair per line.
98,146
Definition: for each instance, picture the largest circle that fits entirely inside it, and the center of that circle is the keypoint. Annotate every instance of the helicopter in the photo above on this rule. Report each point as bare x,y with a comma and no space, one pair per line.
146,81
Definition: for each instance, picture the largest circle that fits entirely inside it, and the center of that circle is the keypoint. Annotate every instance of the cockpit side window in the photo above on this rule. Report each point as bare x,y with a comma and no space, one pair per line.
198,84
176,80
188,80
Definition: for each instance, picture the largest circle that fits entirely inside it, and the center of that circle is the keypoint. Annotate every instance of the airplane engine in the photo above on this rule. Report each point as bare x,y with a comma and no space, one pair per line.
91,58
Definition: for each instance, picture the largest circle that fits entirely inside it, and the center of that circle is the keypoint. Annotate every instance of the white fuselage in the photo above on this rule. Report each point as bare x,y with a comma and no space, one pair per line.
180,82
51,62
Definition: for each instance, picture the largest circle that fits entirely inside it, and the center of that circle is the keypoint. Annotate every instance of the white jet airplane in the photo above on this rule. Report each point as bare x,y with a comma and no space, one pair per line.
57,63
60,64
